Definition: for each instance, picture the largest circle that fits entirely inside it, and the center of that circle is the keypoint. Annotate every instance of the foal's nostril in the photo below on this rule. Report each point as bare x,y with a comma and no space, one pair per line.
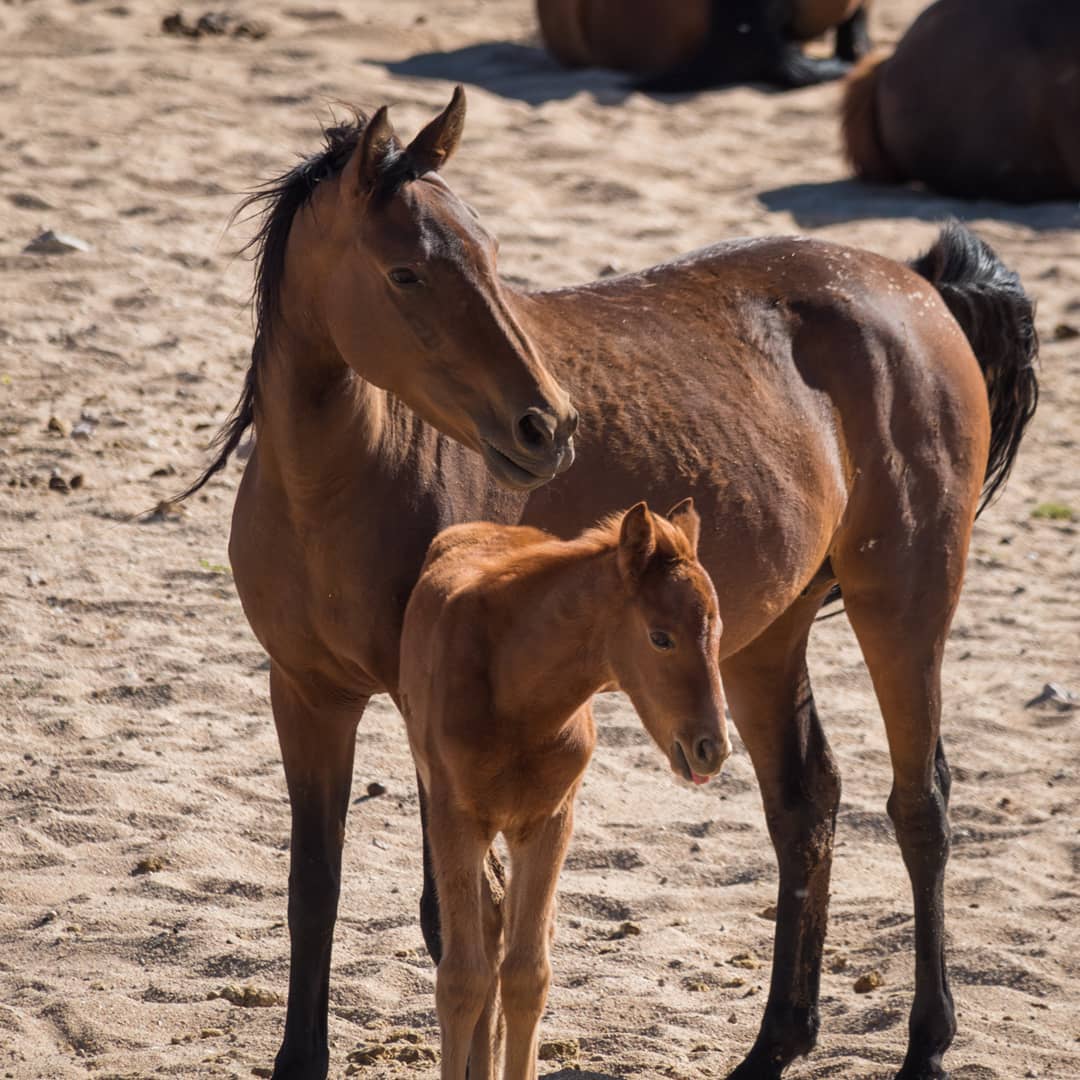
536,430
572,418
706,751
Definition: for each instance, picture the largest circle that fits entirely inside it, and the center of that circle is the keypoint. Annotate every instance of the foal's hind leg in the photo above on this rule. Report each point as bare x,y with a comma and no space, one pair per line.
768,689
900,593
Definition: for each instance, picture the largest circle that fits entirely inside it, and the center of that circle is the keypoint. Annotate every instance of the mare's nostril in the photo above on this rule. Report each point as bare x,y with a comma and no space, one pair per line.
536,430
572,419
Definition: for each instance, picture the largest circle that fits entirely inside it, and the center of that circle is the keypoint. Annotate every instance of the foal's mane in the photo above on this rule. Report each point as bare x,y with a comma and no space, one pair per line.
672,544
276,203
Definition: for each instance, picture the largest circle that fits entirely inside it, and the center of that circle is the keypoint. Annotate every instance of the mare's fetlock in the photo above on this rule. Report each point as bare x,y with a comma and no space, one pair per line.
787,1032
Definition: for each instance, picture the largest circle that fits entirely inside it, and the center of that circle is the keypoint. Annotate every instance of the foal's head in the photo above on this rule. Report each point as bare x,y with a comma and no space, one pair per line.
664,649
411,299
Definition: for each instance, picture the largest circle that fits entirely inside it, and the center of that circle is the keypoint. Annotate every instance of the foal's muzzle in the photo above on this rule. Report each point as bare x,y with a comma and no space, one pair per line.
698,759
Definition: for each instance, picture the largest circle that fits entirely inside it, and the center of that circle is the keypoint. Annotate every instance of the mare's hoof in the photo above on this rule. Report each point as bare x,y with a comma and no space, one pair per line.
296,1069
753,1068
924,1072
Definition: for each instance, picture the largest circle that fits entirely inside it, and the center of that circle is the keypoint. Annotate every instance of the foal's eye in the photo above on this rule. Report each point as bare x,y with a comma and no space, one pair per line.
402,275
661,640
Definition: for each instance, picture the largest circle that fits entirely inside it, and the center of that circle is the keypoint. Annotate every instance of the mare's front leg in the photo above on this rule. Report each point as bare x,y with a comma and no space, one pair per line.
465,980
768,689
536,857
317,743
853,36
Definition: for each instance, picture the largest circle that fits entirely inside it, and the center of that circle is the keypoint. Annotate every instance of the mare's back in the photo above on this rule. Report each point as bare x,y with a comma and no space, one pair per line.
982,98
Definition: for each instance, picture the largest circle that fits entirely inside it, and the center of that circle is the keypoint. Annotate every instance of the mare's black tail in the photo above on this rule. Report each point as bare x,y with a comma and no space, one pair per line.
998,317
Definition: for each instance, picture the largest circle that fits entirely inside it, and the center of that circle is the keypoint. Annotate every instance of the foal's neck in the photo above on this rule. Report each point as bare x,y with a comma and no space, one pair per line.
556,657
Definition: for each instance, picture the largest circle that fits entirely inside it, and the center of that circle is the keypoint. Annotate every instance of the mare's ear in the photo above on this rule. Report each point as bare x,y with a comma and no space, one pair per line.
377,145
687,520
431,149
637,542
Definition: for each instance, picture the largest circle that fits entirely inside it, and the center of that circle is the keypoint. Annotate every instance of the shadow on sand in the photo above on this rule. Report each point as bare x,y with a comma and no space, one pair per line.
512,70
840,201
578,1074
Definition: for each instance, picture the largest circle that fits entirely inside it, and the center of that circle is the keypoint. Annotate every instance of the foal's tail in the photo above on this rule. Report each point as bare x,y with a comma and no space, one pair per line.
988,301
863,146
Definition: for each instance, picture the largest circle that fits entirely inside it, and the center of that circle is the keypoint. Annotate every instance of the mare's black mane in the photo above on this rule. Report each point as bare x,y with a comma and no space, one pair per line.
276,203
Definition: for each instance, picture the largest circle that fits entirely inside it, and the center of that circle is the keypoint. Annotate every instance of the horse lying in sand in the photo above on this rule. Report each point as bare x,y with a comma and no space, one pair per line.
981,99
507,635
694,44
838,417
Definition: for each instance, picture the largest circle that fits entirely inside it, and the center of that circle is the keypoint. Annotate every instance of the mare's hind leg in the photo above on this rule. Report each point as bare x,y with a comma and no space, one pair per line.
317,744
768,689
900,600
853,36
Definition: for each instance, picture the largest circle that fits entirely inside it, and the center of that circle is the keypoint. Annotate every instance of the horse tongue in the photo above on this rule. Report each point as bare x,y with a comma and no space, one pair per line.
698,779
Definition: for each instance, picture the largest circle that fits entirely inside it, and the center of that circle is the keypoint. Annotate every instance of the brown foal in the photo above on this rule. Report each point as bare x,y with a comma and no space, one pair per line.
833,413
508,634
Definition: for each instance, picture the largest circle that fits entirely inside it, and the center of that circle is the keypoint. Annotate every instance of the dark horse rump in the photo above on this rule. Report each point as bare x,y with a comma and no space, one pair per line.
693,44
980,99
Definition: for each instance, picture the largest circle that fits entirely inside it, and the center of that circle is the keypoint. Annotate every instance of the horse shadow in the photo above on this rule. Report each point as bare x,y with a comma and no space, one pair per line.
513,70
836,202
578,1074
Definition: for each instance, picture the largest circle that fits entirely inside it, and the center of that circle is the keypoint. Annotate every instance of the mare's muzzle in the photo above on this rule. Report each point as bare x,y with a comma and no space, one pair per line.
541,448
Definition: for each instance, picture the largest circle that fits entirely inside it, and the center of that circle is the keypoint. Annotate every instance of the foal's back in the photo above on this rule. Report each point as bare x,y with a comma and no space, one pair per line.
462,562
478,583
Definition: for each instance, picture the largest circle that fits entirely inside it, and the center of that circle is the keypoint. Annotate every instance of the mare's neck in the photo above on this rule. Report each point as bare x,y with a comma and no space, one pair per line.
556,657
320,424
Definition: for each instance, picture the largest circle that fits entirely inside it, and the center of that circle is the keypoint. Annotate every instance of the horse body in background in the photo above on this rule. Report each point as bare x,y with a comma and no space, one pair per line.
699,43
980,99
832,419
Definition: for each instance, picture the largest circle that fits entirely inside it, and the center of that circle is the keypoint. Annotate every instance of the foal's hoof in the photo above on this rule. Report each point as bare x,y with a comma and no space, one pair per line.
922,1072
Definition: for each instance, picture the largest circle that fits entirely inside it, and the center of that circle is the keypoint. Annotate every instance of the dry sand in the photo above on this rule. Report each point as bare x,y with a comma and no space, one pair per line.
133,698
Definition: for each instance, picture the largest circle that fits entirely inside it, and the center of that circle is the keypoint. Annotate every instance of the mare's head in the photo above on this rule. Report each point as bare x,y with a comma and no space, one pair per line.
403,277
664,650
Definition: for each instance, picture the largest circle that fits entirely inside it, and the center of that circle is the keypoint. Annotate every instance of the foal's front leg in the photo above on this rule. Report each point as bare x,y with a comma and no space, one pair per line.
536,857
464,981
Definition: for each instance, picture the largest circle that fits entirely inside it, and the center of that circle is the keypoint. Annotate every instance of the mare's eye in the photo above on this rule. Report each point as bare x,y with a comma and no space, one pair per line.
661,640
402,275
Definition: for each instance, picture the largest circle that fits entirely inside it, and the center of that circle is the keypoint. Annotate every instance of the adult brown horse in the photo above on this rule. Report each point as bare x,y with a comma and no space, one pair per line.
833,413
981,99
698,43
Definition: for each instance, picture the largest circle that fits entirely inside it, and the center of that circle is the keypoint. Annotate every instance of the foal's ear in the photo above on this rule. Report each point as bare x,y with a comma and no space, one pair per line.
377,145
431,149
687,520
637,542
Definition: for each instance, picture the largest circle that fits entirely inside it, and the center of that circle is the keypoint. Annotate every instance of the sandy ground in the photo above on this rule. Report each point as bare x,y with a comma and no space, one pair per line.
133,699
